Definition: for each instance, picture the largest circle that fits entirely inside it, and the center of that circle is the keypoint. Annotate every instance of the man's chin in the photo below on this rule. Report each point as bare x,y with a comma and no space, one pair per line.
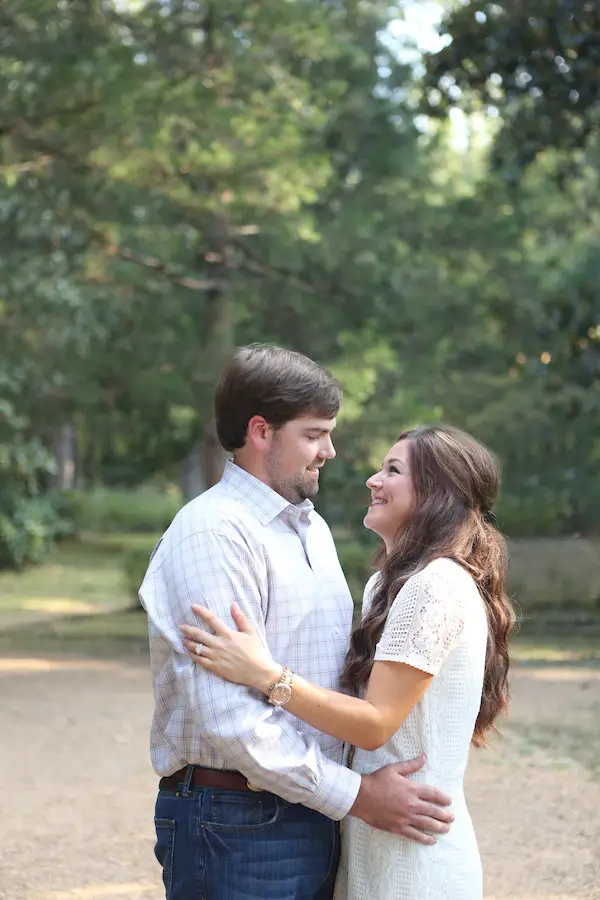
306,491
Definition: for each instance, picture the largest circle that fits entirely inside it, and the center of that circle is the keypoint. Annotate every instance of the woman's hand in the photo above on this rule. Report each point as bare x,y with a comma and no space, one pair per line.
238,656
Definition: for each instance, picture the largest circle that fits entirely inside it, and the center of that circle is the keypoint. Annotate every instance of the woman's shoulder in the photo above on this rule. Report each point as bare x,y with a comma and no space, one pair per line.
446,568
440,576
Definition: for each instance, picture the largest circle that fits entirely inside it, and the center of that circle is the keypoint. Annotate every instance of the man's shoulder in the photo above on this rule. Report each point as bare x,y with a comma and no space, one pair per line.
215,510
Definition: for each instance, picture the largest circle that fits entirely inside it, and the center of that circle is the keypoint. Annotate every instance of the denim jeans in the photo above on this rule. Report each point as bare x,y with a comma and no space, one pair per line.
218,844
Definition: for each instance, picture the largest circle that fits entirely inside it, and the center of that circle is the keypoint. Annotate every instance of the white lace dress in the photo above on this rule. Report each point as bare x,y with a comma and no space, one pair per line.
437,623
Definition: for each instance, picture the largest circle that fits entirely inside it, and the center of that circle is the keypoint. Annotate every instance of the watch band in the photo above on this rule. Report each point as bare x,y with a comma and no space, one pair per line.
279,693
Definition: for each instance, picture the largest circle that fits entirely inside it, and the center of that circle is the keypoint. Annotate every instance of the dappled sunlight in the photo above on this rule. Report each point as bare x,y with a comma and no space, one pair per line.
33,665
131,889
56,605
542,894
560,673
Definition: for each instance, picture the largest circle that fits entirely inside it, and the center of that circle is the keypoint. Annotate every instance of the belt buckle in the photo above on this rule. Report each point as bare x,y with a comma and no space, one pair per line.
251,787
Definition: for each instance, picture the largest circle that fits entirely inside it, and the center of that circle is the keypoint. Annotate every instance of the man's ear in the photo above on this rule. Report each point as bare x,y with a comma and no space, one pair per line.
259,432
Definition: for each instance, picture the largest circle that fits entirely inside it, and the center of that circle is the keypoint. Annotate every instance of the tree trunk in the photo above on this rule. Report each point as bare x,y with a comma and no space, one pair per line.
64,446
191,474
214,456
219,341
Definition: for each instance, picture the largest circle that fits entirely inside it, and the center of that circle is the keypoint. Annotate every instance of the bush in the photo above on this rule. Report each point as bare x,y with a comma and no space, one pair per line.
355,559
101,511
134,563
542,572
554,572
29,531
29,518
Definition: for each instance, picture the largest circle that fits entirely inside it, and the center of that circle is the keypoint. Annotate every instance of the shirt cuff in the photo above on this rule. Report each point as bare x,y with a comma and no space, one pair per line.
337,791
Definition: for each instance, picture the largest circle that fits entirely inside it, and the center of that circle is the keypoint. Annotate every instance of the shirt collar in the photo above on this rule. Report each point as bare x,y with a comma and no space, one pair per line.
264,502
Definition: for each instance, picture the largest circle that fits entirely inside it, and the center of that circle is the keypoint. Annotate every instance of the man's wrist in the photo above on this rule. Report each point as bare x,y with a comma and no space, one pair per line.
362,798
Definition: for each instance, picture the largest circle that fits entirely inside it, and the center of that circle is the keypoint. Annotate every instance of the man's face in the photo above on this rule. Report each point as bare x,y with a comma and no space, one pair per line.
298,451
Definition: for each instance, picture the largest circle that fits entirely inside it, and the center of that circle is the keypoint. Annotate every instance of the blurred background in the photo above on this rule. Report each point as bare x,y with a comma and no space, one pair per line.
406,192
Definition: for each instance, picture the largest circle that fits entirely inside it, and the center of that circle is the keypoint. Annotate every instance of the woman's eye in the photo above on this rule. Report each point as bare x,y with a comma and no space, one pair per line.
394,470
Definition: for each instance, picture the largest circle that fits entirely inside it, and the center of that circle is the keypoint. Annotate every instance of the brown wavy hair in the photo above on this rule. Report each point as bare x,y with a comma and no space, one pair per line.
456,481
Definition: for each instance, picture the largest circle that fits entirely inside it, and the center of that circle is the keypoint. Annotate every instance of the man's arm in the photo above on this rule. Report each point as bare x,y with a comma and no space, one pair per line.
260,740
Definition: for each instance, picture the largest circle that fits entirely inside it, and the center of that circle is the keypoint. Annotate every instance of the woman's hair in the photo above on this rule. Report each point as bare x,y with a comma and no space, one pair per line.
455,480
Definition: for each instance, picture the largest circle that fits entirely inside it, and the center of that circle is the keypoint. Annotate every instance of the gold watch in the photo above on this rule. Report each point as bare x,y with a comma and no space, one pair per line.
280,692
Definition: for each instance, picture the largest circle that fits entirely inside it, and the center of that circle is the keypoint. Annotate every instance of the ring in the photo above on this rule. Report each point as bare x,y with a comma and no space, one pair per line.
199,649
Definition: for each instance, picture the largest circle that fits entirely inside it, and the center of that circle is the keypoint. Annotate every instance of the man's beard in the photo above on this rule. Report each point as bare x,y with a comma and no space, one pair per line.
296,491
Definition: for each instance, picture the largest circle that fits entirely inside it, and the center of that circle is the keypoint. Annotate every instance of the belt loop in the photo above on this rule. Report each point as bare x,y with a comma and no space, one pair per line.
187,781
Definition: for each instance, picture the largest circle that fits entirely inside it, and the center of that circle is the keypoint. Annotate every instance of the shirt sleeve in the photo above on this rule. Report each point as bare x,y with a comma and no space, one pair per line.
424,622
216,569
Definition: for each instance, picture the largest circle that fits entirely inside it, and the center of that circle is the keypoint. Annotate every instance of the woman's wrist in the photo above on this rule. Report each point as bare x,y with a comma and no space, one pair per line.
271,674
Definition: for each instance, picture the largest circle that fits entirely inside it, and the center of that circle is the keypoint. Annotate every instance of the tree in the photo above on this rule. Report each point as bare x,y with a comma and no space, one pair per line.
203,184
535,64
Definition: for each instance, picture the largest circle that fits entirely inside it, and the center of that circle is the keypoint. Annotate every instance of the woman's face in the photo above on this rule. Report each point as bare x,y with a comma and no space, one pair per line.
392,495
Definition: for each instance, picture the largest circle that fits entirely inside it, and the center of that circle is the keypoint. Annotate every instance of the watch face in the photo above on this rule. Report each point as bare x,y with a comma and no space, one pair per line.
281,694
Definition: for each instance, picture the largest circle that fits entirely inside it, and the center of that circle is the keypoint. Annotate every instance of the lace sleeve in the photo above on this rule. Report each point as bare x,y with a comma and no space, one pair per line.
424,621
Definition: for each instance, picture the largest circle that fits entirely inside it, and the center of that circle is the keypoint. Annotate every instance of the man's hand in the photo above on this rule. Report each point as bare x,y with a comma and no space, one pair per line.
389,801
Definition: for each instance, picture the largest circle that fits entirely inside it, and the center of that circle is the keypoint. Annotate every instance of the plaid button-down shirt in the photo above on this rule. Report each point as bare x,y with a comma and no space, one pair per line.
242,541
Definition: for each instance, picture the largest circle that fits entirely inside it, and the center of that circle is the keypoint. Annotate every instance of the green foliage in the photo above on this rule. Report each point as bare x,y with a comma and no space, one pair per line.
553,573
534,63
356,561
174,181
543,573
134,562
103,511
29,520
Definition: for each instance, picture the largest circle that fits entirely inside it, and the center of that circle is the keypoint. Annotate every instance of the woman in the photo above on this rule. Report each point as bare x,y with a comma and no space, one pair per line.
427,664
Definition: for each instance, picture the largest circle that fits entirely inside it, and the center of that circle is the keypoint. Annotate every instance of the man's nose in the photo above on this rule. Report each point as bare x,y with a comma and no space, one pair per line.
327,451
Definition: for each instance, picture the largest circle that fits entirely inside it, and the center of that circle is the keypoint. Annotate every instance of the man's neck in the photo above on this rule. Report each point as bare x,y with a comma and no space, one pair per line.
251,467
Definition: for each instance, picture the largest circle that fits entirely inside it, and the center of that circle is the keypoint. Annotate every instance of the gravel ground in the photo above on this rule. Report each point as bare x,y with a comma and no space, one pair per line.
78,790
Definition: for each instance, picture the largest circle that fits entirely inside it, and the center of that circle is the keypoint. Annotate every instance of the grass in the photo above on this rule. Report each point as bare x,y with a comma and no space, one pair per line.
562,743
556,635
115,635
83,576
86,576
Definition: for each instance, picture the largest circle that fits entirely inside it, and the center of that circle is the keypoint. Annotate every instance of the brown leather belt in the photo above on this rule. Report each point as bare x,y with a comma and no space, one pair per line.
217,778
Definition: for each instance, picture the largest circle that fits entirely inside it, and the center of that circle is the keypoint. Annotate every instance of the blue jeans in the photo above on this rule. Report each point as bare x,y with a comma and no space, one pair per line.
216,844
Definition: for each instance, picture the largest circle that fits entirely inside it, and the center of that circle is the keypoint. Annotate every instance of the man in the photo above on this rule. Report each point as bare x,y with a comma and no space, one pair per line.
250,797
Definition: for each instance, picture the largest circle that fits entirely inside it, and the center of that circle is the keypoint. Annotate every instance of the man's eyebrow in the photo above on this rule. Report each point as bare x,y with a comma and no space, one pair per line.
318,430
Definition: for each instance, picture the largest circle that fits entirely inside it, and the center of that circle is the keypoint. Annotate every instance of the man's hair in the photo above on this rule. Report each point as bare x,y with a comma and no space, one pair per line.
278,384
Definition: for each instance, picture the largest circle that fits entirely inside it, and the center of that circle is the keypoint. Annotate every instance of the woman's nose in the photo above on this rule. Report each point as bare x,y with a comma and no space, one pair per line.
374,481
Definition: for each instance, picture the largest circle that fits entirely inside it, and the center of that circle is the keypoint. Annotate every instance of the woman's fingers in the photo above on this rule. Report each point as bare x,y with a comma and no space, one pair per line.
192,648
241,620
203,661
211,619
198,636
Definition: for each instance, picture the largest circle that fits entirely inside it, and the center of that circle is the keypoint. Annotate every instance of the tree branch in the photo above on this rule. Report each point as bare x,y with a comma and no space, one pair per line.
158,265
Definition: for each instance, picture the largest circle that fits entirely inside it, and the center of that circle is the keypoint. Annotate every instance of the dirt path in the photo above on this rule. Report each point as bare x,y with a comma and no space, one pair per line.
78,791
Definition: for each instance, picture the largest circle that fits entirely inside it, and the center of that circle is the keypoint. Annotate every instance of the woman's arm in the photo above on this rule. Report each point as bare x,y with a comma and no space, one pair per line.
394,688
